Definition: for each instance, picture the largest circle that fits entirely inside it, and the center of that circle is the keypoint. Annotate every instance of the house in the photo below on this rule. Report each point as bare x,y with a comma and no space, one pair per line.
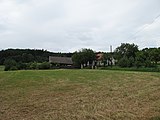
101,61
61,61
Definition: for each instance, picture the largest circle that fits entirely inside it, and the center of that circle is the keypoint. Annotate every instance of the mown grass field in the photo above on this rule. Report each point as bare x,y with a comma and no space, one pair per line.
79,95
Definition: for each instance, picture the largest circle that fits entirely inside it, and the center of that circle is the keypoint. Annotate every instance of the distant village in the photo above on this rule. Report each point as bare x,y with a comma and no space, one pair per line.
67,61
124,56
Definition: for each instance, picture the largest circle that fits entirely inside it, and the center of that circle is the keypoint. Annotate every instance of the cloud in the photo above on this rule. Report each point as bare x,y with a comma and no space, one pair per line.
68,25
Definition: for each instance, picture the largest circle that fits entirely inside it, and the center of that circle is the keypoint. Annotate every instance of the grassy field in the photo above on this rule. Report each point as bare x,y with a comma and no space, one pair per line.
79,95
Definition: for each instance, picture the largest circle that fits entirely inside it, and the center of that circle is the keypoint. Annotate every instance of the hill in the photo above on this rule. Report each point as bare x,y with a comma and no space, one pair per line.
28,55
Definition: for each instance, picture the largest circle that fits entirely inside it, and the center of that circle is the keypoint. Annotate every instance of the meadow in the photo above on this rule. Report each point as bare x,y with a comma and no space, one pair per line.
79,95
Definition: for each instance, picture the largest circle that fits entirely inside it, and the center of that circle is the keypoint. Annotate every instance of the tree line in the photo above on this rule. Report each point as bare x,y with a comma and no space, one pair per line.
128,55
28,55
125,55
14,59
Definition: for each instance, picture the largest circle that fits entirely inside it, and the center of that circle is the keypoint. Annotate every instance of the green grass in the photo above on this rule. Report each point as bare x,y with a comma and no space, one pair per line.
80,95
142,69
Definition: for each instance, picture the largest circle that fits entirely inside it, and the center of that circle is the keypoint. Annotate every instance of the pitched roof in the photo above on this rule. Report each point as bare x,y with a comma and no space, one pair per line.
61,60
99,56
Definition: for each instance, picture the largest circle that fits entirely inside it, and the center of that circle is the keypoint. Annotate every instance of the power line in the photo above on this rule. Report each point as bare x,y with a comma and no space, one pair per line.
144,27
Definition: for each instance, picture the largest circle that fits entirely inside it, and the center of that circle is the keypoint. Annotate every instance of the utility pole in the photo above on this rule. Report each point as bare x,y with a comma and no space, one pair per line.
111,48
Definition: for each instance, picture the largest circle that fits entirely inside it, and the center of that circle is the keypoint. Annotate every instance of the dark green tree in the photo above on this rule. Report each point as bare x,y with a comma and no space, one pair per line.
107,59
27,57
10,64
126,50
83,56
124,62
154,55
126,53
44,65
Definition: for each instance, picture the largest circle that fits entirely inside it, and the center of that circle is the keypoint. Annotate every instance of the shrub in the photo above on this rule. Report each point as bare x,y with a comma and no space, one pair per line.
32,66
124,62
138,64
21,66
14,68
10,64
131,62
44,65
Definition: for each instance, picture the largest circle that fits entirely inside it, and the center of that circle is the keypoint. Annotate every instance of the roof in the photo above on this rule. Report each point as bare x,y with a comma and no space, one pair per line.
99,56
61,60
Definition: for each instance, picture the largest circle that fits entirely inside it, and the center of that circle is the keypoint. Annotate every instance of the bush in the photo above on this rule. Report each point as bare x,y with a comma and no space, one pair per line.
148,63
138,64
124,62
10,64
44,65
141,69
131,62
21,66
14,68
32,65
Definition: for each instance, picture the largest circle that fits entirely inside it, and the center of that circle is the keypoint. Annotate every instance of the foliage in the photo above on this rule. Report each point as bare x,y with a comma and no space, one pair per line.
107,59
128,55
140,69
83,56
21,66
44,65
126,50
10,65
124,62
2,67
131,62
32,66
28,55
26,58
13,65
148,57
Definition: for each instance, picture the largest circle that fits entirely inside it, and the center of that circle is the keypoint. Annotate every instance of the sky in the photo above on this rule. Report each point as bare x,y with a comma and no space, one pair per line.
69,25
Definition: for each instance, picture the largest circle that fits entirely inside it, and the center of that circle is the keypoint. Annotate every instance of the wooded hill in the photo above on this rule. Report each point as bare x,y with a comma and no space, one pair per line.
28,55
126,55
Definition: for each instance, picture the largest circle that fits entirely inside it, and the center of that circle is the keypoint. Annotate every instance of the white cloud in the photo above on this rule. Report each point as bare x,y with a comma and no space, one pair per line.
68,25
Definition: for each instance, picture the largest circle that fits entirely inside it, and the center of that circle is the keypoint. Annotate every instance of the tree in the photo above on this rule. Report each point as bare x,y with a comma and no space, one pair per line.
10,65
131,62
149,56
21,66
126,53
126,50
44,65
107,59
124,62
154,55
83,56
27,57
140,59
